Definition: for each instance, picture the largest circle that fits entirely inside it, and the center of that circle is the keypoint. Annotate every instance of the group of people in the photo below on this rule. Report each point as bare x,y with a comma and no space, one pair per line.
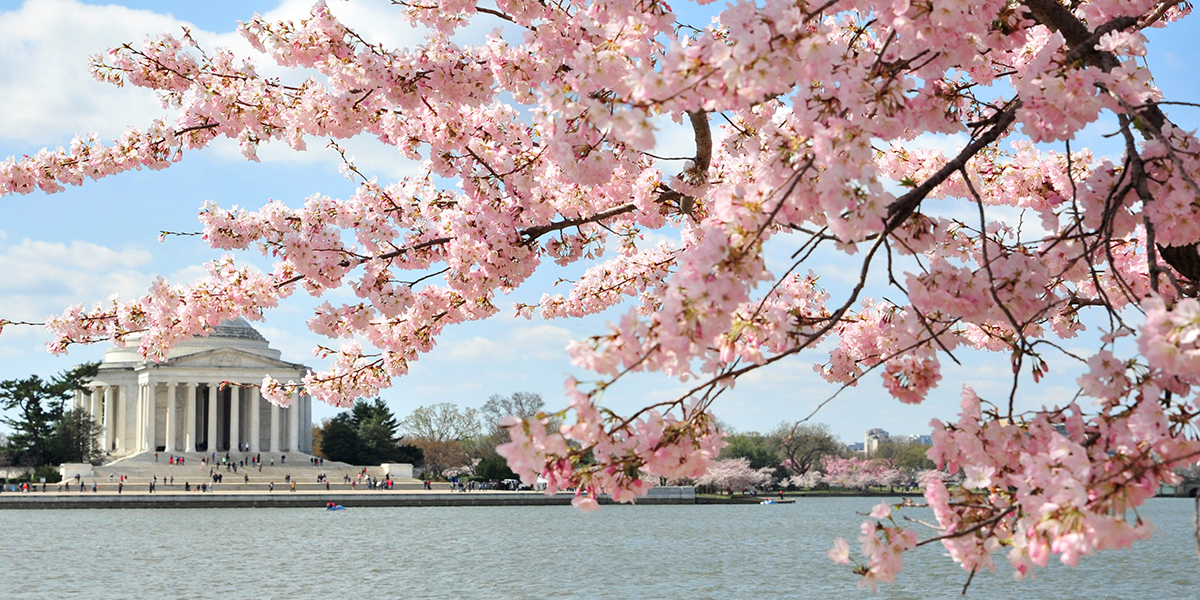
271,485
364,478
199,487
79,482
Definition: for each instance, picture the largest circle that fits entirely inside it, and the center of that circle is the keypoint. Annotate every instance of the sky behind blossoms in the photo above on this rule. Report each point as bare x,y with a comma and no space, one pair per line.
83,245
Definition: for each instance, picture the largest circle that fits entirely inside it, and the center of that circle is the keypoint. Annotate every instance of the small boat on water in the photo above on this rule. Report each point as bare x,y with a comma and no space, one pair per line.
332,506
770,501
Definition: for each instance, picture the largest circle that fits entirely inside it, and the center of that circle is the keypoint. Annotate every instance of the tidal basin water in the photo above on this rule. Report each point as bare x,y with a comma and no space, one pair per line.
687,552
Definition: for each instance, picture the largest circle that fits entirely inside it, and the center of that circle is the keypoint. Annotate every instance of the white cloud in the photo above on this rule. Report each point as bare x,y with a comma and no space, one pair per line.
473,349
39,275
377,21
187,274
294,345
48,94
949,145
542,342
50,97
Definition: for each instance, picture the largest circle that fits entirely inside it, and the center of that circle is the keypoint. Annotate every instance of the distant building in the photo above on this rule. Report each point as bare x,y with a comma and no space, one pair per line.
924,440
855,447
871,440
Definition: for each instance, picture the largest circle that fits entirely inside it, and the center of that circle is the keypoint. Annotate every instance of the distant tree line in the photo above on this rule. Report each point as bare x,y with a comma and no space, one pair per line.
444,439
809,456
448,440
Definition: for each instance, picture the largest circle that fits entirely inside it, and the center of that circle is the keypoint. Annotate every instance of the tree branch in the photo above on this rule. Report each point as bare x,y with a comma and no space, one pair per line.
905,205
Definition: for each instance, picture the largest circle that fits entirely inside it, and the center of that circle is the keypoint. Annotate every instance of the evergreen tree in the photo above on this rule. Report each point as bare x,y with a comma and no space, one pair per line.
366,435
76,438
39,436
339,439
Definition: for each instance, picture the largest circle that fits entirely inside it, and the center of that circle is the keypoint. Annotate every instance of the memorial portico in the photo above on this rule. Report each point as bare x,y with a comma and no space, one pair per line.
203,398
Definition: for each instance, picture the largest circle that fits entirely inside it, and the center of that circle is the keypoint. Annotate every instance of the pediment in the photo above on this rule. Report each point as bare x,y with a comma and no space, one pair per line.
228,358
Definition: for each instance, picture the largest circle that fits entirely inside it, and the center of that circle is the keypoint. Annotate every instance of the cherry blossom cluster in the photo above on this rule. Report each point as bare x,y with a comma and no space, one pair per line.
852,473
882,545
1057,481
602,452
735,474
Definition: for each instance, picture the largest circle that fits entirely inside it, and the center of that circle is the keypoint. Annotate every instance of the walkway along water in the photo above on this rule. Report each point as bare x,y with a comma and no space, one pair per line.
283,498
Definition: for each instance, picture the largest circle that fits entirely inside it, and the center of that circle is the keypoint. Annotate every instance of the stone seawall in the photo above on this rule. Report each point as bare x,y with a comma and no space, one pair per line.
285,499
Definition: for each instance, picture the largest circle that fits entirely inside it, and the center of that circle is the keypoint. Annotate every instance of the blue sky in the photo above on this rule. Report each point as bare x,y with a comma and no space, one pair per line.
83,245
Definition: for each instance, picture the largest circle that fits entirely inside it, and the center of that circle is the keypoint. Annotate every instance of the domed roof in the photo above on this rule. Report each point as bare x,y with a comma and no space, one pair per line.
237,328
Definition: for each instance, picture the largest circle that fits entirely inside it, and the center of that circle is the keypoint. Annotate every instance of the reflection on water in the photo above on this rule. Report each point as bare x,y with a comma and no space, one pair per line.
708,551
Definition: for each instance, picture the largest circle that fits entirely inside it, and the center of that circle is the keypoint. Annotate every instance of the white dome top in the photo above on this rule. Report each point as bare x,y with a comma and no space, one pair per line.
235,333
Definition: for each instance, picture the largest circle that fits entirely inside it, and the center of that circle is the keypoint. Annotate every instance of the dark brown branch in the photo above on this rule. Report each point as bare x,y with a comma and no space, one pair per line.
703,142
1082,44
972,529
905,205
532,233
196,128
4,322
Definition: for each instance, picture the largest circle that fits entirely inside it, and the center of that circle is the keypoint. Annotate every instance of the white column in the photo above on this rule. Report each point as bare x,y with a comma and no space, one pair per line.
109,415
141,417
274,427
212,417
189,419
255,431
171,387
77,402
94,405
294,422
130,402
123,420
151,390
235,418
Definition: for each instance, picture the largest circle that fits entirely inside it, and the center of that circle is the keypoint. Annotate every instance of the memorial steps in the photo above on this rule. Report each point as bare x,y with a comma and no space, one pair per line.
141,469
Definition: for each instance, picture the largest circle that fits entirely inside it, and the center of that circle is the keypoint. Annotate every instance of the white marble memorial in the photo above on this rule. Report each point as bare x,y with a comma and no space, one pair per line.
203,398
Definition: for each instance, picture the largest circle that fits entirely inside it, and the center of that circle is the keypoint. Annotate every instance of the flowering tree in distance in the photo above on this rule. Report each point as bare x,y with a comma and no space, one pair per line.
734,474
801,113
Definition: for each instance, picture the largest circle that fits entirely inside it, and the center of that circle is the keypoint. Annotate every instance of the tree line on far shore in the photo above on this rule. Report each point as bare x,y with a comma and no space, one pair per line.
808,456
445,440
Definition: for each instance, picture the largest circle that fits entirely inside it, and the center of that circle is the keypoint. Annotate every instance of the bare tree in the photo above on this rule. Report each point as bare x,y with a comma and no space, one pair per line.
443,422
803,445
440,455
523,405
